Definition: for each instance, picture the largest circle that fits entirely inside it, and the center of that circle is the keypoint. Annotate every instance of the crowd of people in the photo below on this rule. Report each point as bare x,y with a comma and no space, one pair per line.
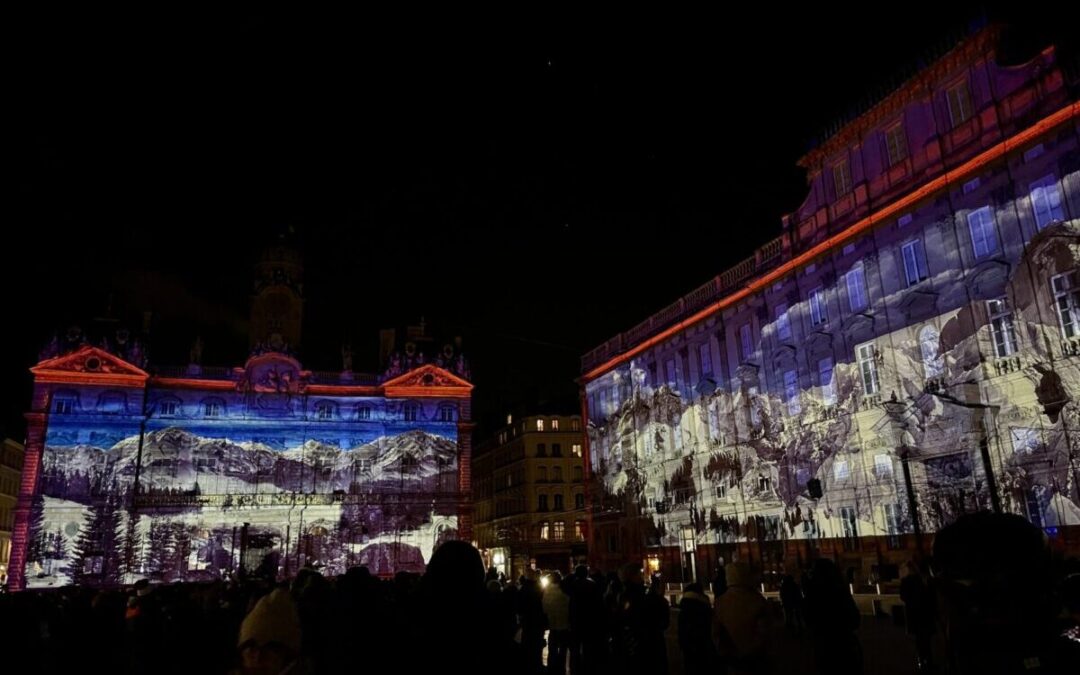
990,601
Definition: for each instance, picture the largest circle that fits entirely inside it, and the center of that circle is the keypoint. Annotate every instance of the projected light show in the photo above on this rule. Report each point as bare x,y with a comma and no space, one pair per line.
989,387
262,470
892,361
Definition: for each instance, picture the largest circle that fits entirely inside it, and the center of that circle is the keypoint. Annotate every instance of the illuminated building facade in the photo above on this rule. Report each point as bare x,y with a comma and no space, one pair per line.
11,459
136,471
907,350
528,482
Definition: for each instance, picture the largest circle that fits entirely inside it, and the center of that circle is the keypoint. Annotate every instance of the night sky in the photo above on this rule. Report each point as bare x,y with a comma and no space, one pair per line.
534,188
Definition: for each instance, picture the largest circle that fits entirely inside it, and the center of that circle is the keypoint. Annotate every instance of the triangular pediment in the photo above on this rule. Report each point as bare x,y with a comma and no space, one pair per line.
427,376
90,364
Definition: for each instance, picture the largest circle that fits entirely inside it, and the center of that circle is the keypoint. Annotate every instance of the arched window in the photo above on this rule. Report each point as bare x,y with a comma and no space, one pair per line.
213,407
324,410
169,407
112,402
411,412
447,413
363,412
65,402
930,348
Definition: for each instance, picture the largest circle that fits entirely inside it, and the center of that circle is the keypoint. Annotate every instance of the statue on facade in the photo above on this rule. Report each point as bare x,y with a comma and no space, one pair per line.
346,358
51,350
136,355
195,356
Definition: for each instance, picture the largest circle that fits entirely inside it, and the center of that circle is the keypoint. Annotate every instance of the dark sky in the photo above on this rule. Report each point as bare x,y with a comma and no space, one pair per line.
535,188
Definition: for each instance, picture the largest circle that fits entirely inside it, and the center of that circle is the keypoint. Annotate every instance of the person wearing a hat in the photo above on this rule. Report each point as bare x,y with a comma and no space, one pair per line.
269,642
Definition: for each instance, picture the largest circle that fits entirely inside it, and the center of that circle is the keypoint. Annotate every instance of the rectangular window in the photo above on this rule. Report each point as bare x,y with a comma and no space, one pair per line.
825,378
575,449
579,530
856,288
819,313
720,490
556,450
841,178
866,355
539,425
791,392
324,411
168,408
554,425
560,530
446,414
1066,289
914,262
558,502
841,471
705,359
1046,201
715,433
64,406
983,237
892,524
1001,327
578,474
883,466
764,483
1024,440
541,450
544,531
364,413
959,99
542,504
746,340
783,323
896,144
575,425
212,409
847,521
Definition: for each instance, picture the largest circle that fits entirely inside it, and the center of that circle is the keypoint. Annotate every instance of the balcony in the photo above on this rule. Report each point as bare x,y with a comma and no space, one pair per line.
870,401
1009,364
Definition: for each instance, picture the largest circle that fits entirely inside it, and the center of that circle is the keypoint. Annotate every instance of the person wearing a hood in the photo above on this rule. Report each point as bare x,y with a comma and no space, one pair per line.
741,623
269,641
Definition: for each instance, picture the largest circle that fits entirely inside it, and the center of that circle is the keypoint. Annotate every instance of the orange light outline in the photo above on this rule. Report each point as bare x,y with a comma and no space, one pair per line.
941,182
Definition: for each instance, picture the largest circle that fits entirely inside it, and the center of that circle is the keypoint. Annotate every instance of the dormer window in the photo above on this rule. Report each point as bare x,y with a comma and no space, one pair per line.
959,99
896,144
841,178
